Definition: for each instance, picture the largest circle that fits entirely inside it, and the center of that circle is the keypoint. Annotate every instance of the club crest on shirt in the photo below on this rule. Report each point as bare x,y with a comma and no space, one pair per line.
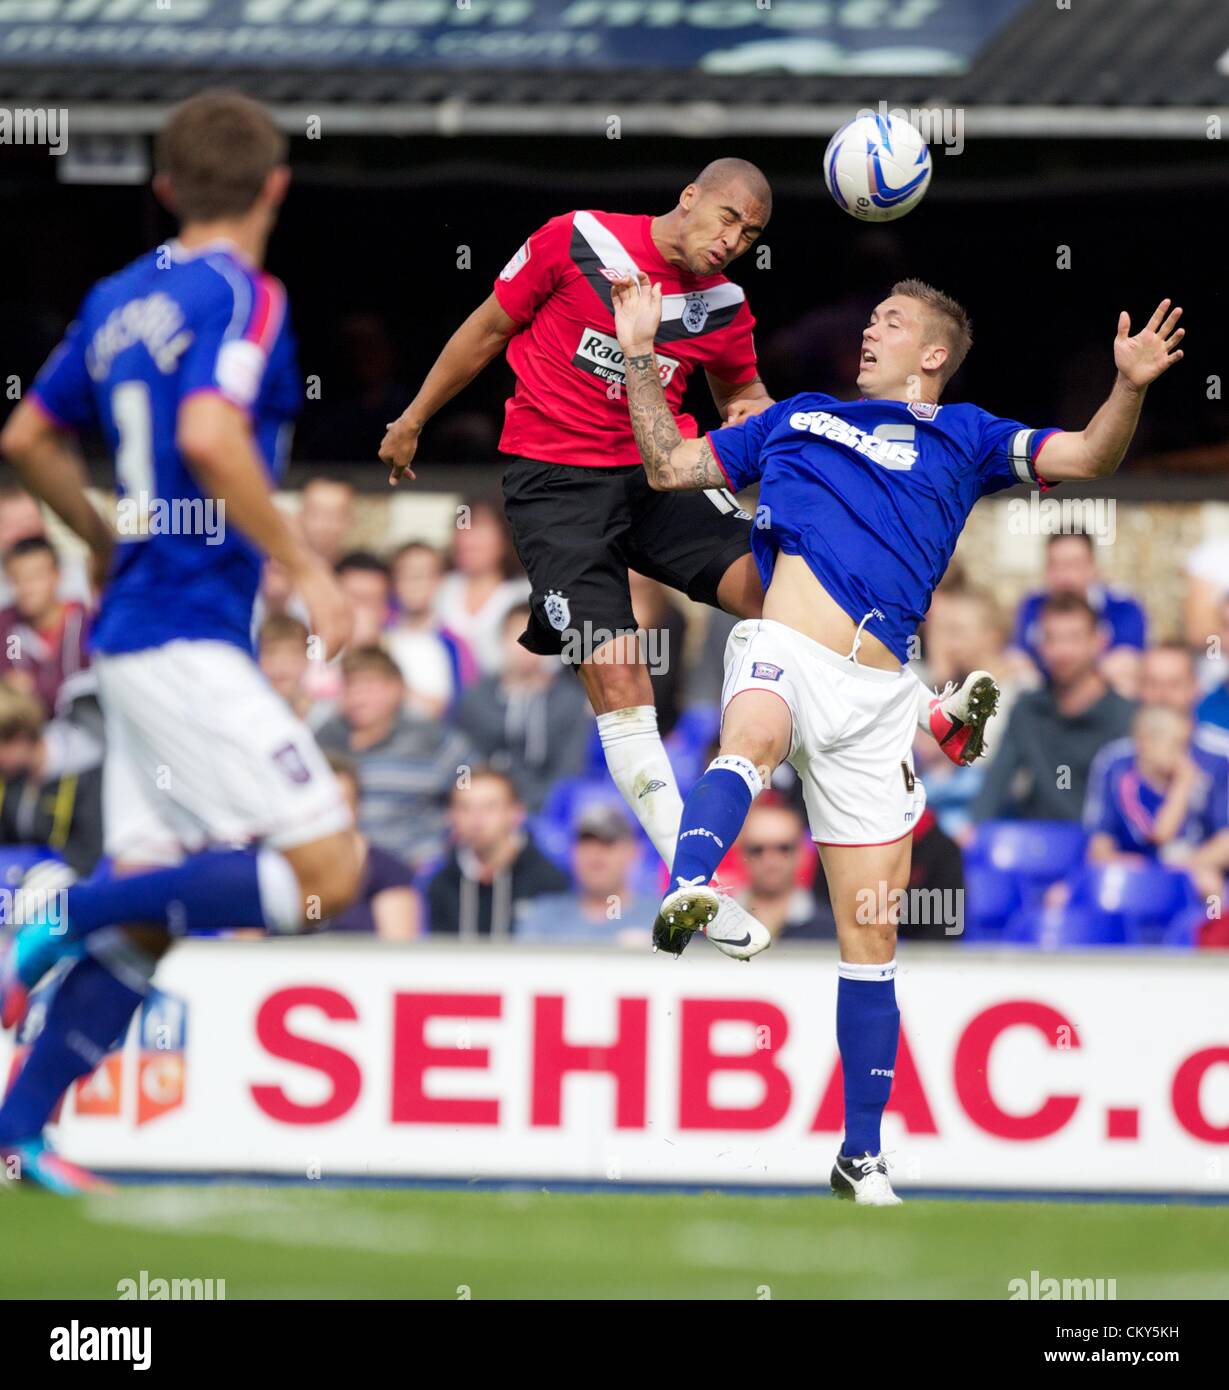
765,671
924,410
695,313
558,613
290,761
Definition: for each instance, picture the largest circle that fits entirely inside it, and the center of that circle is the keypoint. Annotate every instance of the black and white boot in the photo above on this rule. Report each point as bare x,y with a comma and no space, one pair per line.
864,1180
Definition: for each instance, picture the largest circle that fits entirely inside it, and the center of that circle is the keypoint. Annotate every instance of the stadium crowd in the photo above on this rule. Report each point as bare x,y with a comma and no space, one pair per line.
1100,816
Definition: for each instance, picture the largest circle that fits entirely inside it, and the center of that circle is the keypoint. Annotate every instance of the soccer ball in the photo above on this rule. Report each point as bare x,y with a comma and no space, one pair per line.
877,167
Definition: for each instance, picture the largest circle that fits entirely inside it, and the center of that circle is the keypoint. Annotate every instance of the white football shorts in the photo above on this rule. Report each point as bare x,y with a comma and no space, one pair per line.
201,750
852,744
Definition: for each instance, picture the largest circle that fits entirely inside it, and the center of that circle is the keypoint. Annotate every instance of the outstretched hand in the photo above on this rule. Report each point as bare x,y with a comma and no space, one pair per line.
1153,350
637,312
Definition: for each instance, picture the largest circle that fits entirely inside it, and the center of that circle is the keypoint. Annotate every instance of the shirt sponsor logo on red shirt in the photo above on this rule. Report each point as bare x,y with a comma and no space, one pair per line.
601,355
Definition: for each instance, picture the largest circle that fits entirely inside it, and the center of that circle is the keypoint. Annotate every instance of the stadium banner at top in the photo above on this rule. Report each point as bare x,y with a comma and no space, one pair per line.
732,37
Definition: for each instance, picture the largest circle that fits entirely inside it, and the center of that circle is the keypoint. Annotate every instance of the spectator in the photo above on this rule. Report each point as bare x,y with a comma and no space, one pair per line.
282,653
1071,568
20,518
473,600
42,637
326,516
387,904
951,791
494,869
772,845
532,721
1207,587
1158,803
276,598
38,806
603,907
1040,771
366,581
1214,707
407,765
435,662
1167,676
665,631
965,632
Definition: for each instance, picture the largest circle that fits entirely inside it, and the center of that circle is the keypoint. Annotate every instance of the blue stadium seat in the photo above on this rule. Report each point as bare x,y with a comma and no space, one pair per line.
1183,932
1053,928
595,758
1147,897
690,740
554,827
1035,853
990,898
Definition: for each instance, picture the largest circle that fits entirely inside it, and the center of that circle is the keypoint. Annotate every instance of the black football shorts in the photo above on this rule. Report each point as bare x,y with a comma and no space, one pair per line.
579,530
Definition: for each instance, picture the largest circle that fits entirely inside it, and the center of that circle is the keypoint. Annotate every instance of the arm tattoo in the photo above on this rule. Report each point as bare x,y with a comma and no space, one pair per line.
670,461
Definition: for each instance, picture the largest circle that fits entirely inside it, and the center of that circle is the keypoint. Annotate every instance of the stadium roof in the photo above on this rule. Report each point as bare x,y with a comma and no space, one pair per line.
1103,67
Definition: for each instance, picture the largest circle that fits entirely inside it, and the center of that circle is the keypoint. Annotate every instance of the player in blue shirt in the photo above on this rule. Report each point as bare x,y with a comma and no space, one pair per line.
186,361
860,506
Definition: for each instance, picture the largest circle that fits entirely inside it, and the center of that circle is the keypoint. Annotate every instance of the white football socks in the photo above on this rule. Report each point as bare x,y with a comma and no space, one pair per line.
637,761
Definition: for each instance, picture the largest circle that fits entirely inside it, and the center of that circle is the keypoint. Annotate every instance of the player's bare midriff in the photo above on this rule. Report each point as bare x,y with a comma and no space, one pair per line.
797,599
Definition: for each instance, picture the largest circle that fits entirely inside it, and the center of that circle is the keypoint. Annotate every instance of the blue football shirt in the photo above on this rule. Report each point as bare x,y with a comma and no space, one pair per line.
872,494
1119,803
170,324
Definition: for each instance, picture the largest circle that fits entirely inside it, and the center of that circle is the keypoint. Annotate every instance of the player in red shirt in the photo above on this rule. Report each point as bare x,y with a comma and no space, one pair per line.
577,499
579,505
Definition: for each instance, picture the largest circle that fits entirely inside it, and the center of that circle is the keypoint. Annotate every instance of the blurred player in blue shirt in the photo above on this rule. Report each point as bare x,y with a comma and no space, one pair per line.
185,361
860,506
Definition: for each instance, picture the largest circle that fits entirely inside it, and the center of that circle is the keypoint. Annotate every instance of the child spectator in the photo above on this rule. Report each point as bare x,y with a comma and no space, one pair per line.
283,657
1157,803
387,905
435,662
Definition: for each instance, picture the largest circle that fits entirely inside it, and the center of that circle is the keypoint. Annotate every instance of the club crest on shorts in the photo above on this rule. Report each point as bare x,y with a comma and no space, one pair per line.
558,613
290,760
695,313
765,671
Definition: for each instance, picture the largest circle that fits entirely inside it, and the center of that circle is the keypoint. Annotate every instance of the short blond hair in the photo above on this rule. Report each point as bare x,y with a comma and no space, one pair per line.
21,715
949,320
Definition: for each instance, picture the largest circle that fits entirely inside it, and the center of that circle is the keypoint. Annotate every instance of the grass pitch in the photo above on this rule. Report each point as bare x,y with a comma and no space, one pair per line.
325,1242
